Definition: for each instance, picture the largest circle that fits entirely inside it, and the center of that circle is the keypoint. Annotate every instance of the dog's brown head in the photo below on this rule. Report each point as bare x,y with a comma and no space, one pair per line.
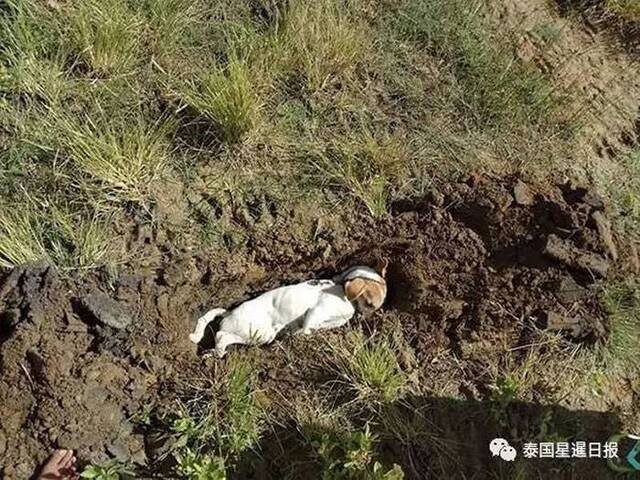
366,287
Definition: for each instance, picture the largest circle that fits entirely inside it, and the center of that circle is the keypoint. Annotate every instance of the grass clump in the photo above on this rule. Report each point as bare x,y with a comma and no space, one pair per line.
169,21
53,235
494,89
628,9
622,301
211,434
325,42
625,191
364,165
106,35
123,161
227,97
370,368
32,54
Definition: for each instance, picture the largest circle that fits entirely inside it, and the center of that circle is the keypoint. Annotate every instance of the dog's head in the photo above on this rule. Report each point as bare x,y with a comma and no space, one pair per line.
366,287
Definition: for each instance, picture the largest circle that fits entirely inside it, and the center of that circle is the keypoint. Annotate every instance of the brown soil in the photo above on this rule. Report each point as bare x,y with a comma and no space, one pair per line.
469,278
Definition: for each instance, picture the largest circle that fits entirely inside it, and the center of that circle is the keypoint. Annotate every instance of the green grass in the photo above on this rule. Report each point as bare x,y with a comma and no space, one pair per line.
218,425
624,187
364,165
53,235
622,301
494,90
628,9
106,36
370,368
122,161
325,44
227,97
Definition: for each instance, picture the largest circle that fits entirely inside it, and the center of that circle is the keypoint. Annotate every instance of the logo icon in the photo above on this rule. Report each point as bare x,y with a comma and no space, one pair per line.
500,447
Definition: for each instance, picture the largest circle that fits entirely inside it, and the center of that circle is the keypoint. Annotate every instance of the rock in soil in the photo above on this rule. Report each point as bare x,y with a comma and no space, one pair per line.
107,311
565,252
522,194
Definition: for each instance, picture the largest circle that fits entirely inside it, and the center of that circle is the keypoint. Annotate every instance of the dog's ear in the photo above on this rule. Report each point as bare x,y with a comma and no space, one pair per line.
381,266
354,288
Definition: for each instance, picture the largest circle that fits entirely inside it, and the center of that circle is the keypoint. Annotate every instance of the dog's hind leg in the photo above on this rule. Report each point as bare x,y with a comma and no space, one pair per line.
203,321
224,339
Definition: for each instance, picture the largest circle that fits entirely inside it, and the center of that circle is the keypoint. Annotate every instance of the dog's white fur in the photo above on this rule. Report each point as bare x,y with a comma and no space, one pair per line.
316,304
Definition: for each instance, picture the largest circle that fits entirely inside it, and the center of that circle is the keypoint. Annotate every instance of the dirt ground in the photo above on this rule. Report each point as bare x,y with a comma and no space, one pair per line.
477,267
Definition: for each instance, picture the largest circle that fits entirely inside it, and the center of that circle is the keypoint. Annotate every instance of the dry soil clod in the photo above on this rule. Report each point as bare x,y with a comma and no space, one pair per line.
604,230
107,311
565,252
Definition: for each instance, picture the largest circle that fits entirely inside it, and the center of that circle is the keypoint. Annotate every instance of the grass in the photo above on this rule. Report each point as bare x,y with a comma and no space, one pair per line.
53,236
493,89
624,187
628,9
370,367
325,44
622,301
215,430
226,96
364,165
106,36
124,162
357,104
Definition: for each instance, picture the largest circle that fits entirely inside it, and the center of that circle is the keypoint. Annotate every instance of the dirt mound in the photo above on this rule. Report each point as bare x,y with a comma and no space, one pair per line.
472,262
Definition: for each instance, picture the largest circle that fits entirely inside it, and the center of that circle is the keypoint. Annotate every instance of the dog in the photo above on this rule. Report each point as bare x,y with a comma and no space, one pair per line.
311,305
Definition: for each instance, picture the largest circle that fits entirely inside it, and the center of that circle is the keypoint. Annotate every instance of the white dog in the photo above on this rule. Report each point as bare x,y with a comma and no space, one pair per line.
314,304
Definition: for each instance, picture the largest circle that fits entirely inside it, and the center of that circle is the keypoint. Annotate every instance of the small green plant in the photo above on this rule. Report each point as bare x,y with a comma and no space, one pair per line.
351,455
505,391
111,470
194,466
227,97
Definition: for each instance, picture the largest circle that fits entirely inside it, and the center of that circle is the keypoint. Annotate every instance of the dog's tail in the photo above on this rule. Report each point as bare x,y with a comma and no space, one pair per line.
203,321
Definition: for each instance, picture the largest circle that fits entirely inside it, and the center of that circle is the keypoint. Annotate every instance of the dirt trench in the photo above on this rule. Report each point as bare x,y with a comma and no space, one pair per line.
472,262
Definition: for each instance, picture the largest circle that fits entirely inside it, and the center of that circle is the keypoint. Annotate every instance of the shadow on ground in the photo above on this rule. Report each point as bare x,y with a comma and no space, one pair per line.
447,438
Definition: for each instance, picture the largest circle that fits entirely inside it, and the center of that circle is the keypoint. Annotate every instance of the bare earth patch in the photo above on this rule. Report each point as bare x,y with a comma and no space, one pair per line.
471,279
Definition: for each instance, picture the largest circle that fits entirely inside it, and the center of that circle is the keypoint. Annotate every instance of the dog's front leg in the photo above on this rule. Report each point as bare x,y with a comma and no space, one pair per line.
334,322
312,320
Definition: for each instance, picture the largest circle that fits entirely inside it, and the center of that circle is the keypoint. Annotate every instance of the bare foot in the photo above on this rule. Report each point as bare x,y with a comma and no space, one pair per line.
60,466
